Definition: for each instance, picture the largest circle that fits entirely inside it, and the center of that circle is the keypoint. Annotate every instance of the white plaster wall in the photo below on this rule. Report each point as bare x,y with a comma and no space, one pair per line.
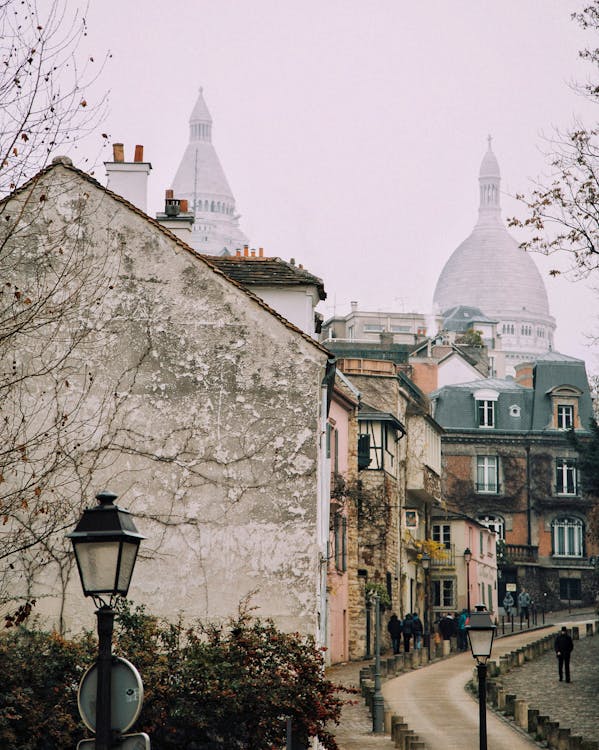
203,416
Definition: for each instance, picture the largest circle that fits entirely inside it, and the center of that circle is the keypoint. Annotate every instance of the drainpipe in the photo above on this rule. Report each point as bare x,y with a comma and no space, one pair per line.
528,500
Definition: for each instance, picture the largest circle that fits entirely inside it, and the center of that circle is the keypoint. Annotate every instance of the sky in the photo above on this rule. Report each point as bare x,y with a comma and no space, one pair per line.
352,131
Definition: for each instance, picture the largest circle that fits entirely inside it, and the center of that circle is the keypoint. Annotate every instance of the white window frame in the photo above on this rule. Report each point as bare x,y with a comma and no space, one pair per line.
496,524
487,475
566,477
444,593
567,533
442,534
565,416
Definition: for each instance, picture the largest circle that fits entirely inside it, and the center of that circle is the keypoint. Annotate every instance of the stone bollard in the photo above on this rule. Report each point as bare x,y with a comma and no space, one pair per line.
364,674
521,713
510,700
492,669
417,744
541,726
529,653
400,663
423,657
403,735
589,627
445,648
563,739
366,686
500,699
391,666
533,720
520,657
575,633
590,745
576,742
397,735
492,692
503,665
383,667
551,733
387,716
415,659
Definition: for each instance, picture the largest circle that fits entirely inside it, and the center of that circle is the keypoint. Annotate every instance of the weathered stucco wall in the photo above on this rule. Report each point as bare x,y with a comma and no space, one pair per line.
195,404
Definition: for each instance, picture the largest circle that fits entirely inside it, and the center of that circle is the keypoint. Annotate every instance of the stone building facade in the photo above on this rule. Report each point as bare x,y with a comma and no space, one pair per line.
508,463
151,373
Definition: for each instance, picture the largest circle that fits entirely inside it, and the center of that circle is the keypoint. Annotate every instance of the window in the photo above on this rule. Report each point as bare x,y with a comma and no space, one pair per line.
565,477
340,542
493,523
486,474
569,588
401,329
567,536
481,543
442,534
565,416
371,328
485,411
443,593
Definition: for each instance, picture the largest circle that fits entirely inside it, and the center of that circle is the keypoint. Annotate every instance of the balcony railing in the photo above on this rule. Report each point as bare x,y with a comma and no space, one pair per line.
520,553
444,558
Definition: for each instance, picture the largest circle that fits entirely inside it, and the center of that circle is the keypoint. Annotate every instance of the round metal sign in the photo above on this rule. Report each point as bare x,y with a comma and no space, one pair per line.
127,694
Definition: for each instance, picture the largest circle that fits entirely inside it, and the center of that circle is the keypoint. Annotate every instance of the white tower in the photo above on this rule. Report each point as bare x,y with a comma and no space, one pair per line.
200,179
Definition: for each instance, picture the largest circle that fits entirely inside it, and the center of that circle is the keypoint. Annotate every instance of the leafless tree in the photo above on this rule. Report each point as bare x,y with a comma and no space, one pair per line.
563,210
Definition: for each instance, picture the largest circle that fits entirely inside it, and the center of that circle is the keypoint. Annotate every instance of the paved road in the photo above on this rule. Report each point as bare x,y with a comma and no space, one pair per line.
435,705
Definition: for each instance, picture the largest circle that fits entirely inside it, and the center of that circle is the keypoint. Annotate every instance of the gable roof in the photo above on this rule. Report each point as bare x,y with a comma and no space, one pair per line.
64,162
262,271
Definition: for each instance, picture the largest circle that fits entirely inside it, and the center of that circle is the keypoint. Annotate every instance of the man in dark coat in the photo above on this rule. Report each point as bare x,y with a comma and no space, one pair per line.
563,649
395,629
447,627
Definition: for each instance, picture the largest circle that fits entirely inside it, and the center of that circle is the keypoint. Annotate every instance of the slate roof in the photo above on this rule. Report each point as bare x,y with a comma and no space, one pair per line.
460,318
265,272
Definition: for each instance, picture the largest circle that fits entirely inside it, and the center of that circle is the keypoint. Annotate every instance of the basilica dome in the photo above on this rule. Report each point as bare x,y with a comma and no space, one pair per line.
491,272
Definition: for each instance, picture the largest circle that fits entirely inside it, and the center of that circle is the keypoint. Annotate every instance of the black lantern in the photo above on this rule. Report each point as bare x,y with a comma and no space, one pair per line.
481,632
105,543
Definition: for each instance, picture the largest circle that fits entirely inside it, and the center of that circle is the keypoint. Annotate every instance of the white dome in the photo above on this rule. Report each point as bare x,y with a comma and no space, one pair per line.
490,271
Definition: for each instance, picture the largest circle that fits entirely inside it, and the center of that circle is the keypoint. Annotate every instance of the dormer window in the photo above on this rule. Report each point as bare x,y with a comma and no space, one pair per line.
565,416
486,401
564,407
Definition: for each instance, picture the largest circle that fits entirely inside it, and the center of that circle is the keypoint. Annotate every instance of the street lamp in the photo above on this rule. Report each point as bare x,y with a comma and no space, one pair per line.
378,702
105,542
467,558
425,561
481,632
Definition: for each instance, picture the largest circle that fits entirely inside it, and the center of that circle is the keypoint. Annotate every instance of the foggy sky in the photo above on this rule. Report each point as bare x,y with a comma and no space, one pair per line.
351,131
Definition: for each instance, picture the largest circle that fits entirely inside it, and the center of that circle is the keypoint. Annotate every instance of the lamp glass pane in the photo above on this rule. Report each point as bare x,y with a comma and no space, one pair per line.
98,564
481,642
128,555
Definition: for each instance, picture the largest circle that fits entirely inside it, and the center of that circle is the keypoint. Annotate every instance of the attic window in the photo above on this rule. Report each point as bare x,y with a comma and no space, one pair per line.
514,410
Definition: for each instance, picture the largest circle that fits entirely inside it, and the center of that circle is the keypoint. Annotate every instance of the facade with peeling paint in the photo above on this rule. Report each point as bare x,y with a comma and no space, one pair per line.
203,409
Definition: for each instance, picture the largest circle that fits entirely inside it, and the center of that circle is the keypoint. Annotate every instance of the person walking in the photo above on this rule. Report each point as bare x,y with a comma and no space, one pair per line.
462,633
523,604
508,603
407,633
418,630
563,648
447,626
395,629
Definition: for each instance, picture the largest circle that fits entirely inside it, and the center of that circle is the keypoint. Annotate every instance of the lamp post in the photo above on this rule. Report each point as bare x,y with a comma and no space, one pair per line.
426,563
481,632
378,702
105,542
467,558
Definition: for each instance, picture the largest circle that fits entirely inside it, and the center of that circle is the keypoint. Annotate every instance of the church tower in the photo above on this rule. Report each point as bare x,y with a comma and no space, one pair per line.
490,271
201,181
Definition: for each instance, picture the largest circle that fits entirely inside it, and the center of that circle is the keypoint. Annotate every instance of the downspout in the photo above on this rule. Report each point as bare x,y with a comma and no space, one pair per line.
324,502
528,500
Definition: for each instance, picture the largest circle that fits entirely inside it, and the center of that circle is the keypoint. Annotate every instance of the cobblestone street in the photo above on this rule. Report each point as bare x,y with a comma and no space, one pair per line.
574,705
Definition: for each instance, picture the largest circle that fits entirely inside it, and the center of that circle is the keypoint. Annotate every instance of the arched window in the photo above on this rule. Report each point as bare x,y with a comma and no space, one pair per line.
567,534
494,523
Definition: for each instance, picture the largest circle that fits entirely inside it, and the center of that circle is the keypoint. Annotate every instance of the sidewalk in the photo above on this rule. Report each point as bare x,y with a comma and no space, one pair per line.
434,703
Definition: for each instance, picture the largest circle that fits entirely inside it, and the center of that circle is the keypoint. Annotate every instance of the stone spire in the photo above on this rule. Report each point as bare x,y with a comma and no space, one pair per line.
489,179
201,180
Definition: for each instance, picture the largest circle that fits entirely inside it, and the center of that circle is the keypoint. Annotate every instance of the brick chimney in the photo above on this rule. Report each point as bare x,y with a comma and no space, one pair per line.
176,217
129,178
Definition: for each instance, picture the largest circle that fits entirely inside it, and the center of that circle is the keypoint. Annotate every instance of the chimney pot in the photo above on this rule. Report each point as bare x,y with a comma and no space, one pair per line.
245,251
172,206
253,253
118,152
184,205
139,153
169,194
261,252
238,253
292,261
354,306
301,266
